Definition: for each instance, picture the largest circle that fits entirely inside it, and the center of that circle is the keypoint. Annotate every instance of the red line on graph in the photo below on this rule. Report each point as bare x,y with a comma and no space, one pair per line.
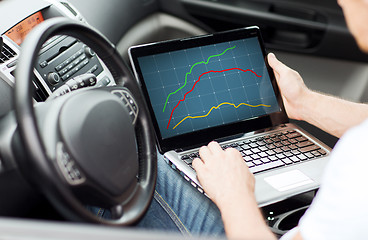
225,70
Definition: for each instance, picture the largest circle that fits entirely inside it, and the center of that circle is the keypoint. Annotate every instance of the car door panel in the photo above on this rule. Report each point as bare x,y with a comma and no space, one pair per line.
293,26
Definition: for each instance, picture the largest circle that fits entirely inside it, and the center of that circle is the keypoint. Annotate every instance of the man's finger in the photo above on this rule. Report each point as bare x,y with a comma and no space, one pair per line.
277,65
197,164
205,153
233,152
214,147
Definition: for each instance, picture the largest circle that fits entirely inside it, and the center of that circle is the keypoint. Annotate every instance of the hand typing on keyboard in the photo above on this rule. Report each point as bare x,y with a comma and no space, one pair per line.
227,180
220,171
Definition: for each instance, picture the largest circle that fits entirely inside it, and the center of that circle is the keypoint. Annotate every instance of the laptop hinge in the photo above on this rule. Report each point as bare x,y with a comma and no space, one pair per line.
223,139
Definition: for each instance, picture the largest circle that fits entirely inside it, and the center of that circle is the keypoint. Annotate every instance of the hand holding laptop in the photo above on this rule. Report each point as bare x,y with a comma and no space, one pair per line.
293,89
329,113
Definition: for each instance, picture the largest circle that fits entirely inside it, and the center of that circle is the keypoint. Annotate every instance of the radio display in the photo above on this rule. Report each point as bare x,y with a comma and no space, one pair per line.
20,31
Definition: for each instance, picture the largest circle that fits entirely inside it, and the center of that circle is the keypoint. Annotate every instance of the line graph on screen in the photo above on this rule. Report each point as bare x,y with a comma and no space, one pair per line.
216,107
203,74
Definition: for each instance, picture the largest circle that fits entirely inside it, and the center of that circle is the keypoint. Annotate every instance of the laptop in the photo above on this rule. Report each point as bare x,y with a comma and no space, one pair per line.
220,87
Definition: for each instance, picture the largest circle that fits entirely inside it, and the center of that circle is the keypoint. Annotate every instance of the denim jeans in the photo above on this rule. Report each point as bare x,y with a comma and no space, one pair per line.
178,207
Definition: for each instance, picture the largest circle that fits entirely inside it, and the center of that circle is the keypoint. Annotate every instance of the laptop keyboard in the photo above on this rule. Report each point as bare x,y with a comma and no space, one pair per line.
272,151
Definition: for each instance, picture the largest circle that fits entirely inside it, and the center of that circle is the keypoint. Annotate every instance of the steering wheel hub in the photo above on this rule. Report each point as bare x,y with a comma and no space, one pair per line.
98,133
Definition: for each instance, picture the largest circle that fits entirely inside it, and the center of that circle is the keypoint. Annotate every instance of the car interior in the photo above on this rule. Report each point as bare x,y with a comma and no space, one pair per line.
56,54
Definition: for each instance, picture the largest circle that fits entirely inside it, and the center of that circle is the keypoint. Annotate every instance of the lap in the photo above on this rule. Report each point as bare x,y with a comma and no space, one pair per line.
177,207
179,203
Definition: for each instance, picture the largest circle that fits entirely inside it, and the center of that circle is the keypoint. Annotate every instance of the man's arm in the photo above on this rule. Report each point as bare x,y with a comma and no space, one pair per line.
226,178
331,114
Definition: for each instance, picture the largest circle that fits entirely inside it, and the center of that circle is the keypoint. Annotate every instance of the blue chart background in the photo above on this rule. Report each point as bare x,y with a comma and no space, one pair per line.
165,73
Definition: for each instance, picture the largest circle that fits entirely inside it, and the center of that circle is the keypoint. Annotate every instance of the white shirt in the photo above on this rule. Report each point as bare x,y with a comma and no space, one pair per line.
340,209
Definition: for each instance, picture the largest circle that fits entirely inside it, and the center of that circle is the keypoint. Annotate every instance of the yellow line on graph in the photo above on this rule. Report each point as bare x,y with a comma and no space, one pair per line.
232,104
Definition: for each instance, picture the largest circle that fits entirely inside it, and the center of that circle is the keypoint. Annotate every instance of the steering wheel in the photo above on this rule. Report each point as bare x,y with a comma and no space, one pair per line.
90,147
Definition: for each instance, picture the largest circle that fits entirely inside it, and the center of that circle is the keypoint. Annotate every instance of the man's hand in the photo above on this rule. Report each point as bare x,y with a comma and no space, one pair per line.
224,175
292,87
328,113
228,182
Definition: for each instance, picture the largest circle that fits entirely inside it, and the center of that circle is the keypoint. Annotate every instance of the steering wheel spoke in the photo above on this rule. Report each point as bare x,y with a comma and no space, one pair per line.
117,212
71,172
127,98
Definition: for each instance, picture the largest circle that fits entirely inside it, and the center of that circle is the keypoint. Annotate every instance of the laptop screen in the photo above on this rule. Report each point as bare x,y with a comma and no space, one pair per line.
195,87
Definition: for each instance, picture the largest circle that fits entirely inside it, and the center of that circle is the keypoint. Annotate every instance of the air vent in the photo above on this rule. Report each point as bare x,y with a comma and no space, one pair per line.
39,92
6,53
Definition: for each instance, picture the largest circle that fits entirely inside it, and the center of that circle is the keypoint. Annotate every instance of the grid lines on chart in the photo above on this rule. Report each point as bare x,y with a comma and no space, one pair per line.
169,72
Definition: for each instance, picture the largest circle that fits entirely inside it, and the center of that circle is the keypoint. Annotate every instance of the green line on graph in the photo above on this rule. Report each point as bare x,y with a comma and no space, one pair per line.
190,72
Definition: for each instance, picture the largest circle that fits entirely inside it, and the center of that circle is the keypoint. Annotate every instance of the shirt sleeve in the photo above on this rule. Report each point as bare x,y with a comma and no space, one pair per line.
339,209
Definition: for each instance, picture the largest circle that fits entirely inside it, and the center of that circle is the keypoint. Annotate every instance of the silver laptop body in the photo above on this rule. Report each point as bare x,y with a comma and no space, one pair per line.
220,87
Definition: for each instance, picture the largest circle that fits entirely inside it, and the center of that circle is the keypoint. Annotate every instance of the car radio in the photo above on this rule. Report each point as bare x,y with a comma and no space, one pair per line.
63,57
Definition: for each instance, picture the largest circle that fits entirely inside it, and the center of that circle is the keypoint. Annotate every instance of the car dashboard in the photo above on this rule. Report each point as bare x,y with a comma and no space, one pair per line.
61,57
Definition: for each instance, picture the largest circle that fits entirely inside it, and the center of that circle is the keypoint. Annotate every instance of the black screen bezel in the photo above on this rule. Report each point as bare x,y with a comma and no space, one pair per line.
189,140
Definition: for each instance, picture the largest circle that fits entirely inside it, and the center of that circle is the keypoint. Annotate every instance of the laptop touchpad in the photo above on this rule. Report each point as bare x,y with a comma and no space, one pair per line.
288,180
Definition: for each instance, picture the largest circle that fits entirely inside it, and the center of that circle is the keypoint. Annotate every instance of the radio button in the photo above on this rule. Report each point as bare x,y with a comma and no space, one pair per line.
106,81
93,69
75,63
80,51
60,66
62,72
53,78
81,58
69,67
66,62
89,52
85,62
43,64
66,76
